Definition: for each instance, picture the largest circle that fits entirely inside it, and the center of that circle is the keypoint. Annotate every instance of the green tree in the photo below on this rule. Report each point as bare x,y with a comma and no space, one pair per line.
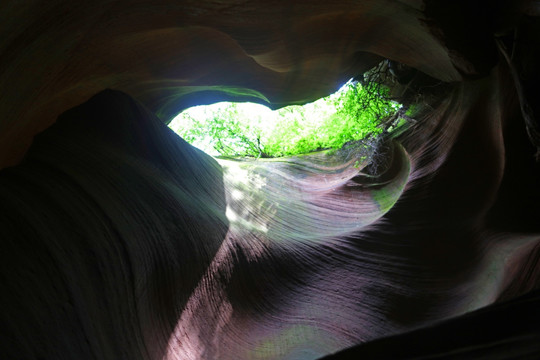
352,114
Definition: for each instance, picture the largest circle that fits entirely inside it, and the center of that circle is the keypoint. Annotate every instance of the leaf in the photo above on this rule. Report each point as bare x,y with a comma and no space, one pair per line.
352,114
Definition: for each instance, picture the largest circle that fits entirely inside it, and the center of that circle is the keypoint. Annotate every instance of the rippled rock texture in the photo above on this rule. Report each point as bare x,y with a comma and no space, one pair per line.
120,240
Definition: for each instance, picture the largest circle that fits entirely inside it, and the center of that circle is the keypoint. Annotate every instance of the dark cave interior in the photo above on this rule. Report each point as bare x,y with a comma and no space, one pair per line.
120,240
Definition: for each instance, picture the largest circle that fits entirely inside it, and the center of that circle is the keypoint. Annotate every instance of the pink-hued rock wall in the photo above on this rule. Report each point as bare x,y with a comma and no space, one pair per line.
120,240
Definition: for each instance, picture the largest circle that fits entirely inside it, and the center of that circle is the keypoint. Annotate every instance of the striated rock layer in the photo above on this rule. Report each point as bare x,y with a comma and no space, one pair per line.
171,54
120,240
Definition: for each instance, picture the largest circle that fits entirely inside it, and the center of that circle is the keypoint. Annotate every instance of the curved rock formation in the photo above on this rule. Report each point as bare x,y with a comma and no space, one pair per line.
120,240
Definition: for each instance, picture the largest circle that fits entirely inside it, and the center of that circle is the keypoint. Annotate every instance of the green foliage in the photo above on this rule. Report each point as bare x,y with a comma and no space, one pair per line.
353,113
360,111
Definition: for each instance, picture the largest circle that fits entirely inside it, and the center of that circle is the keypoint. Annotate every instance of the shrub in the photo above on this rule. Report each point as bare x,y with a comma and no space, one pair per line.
351,114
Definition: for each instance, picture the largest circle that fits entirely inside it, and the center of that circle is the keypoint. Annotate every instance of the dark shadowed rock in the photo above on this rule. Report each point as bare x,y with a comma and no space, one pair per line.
120,240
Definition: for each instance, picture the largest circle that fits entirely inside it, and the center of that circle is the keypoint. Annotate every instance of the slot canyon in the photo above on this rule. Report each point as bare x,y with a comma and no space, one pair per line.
122,241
